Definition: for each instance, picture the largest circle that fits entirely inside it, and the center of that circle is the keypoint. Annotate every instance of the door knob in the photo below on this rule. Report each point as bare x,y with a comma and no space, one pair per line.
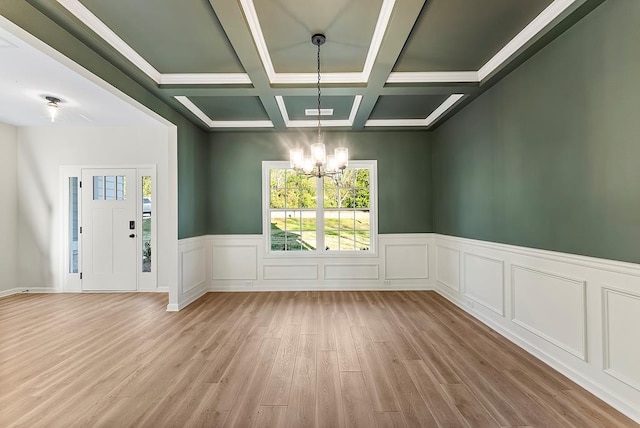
133,235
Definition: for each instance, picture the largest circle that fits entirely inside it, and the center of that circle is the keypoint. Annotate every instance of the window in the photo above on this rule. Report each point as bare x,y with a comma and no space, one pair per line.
146,223
109,188
328,216
73,225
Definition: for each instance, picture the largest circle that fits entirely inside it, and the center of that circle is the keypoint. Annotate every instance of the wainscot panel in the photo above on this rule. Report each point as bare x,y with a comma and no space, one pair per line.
448,262
621,352
192,270
484,281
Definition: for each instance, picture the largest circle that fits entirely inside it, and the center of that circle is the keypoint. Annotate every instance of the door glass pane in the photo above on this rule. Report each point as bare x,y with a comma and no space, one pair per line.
146,223
98,188
110,187
73,224
121,187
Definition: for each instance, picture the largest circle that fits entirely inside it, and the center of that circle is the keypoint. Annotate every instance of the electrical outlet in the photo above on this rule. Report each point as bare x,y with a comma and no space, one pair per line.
248,283
386,282
470,303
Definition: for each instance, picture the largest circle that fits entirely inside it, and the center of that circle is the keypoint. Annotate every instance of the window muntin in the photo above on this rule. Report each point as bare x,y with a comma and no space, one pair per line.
310,215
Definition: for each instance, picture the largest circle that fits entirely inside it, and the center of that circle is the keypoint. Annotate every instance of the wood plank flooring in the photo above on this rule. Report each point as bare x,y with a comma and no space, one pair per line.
279,359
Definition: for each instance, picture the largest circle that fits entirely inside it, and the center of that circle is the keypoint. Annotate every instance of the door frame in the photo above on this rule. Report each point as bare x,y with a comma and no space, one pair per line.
145,281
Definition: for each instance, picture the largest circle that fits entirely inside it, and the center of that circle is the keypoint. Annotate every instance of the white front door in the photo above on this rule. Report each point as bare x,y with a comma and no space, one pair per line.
109,230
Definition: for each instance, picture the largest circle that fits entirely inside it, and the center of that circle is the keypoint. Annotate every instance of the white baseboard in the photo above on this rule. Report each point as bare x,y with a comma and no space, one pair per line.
175,307
370,286
11,292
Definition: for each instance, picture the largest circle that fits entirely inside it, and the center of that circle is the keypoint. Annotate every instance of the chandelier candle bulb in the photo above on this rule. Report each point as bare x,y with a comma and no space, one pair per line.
297,158
332,164
308,166
342,157
318,154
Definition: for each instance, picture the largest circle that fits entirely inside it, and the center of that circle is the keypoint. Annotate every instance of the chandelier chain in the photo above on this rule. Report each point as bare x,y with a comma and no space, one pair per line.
319,92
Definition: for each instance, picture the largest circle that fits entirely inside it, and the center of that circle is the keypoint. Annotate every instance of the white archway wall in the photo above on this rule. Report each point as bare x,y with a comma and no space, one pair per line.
8,207
40,153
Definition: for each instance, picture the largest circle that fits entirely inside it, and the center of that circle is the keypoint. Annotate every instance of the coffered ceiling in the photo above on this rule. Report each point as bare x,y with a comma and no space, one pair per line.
386,63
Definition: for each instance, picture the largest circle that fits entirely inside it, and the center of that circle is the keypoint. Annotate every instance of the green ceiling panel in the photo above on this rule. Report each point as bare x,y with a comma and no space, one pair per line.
341,106
231,108
157,30
462,35
406,106
348,25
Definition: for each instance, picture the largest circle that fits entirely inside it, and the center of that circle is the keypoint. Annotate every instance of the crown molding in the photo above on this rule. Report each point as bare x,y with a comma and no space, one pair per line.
428,121
357,99
185,101
538,24
205,79
433,77
443,108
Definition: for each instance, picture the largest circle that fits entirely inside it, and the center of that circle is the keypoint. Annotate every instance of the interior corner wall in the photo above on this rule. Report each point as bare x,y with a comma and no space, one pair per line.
235,181
549,157
8,207
193,182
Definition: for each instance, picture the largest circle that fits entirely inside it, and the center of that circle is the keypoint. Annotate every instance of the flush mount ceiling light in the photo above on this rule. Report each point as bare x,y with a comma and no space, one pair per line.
319,164
52,106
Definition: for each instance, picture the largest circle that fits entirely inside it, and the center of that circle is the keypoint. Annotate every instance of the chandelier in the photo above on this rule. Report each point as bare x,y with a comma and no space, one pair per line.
319,164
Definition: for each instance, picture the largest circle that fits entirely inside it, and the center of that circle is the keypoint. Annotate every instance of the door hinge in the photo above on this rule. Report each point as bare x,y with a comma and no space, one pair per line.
81,184
80,229
80,275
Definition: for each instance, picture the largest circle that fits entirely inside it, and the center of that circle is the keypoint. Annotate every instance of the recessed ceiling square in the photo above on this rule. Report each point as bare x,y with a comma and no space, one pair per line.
231,108
341,106
171,36
462,35
406,106
287,27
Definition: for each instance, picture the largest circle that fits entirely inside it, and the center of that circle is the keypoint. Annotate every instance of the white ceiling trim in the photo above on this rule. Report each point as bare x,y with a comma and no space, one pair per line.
78,10
313,123
433,77
443,108
539,23
185,101
292,78
205,79
428,121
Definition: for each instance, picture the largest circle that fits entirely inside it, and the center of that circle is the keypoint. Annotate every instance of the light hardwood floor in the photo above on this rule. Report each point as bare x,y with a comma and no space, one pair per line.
294,359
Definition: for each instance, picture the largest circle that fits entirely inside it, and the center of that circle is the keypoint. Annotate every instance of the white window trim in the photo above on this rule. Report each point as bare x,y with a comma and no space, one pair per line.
372,165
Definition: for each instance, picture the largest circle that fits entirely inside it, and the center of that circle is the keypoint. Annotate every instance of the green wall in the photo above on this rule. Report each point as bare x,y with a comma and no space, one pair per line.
550,156
82,48
404,176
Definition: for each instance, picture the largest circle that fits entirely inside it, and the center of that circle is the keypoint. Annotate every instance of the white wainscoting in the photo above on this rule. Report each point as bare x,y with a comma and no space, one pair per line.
536,292
484,281
239,263
578,314
621,315
193,270
448,262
